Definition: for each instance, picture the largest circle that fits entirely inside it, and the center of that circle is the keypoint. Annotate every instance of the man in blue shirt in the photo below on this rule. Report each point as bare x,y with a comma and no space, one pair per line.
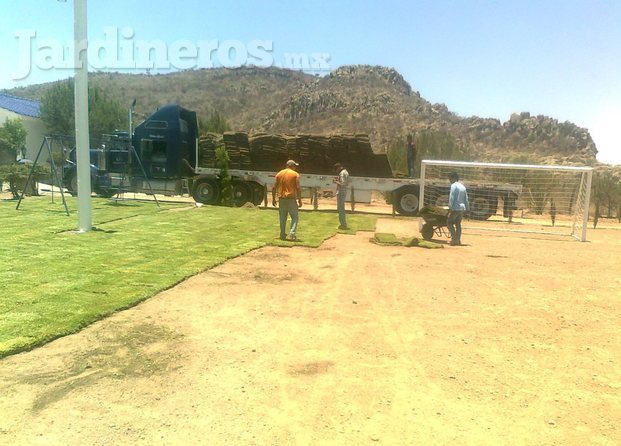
458,204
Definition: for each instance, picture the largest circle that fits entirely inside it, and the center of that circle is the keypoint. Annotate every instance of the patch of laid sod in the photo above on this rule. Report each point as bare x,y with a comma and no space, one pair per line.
383,238
54,282
387,239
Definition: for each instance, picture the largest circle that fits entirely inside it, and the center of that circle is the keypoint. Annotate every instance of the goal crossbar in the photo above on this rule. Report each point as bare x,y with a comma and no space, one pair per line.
505,166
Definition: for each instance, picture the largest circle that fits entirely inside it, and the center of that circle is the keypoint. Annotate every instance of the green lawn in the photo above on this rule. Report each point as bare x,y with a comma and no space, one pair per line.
54,282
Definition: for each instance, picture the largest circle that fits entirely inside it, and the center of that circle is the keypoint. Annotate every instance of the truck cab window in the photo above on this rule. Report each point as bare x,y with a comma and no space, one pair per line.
153,124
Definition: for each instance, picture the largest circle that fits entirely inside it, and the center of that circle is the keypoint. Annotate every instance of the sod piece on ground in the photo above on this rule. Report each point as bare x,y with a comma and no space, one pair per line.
383,238
387,239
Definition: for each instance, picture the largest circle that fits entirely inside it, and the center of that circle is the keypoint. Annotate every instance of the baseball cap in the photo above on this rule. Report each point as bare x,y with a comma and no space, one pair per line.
292,163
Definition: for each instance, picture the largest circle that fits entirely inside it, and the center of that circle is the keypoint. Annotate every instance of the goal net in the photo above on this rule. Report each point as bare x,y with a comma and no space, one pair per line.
514,197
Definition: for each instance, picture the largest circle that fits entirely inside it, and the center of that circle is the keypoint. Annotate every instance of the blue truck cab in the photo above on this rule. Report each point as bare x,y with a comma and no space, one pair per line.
166,143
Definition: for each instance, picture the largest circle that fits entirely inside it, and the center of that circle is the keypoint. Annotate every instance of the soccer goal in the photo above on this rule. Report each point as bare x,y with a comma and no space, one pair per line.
515,197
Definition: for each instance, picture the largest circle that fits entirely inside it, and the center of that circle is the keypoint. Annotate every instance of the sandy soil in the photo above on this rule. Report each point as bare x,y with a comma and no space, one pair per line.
507,340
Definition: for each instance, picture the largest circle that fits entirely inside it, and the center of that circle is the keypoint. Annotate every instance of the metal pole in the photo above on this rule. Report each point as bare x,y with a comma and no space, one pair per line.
81,116
131,111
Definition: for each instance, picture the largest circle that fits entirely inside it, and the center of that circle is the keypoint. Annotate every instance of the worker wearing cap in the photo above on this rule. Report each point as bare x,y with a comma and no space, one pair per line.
342,183
287,186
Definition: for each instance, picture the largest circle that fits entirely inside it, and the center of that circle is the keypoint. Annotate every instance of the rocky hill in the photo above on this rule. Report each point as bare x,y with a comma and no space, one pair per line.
352,99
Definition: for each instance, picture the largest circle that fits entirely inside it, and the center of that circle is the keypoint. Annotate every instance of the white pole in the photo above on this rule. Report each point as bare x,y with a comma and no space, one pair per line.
81,116
421,188
587,204
131,111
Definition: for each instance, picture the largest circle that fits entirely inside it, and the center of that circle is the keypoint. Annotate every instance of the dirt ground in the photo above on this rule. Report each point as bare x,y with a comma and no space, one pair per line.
506,340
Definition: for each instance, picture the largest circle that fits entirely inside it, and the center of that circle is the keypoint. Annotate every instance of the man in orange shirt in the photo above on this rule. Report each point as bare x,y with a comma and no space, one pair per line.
287,186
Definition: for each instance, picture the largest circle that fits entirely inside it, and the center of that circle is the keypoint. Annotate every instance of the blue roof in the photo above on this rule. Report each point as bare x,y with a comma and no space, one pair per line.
21,106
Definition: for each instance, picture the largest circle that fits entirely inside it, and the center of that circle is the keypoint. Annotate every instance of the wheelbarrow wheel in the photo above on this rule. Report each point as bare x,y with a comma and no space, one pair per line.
427,231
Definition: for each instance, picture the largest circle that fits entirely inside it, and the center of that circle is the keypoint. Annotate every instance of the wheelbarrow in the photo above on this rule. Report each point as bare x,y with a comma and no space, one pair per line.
434,222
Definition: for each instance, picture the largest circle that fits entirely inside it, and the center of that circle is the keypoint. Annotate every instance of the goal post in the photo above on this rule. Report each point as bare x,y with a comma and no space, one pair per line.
545,199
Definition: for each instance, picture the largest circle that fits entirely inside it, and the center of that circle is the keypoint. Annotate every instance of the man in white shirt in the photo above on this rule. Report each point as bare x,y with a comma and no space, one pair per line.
458,204
342,182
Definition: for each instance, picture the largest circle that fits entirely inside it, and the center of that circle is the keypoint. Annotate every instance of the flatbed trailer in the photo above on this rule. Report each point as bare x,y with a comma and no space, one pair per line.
162,157
246,182
405,194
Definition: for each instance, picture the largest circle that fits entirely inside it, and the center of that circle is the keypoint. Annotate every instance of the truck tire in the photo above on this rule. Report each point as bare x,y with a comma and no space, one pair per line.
242,193
206,191
72,183
482,206
258,192
406,200
427,231
107,193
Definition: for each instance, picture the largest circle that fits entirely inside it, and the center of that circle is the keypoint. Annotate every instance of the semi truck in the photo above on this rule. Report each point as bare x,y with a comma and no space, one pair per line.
163,156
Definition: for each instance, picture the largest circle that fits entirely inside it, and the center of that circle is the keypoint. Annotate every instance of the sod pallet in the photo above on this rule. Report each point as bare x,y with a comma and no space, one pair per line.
316,154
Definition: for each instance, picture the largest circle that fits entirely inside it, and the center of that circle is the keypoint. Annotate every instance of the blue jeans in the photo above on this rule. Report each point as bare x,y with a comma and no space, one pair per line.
286,207
340,206
453,222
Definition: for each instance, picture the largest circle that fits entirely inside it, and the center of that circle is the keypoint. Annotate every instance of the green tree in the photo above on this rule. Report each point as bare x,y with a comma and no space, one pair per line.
605,191
215,123
226,188
16,175
57,110
430,144
105,114
13,136
397,158
439,145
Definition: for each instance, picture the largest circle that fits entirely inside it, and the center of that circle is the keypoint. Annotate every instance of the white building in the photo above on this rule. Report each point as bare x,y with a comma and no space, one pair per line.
12,107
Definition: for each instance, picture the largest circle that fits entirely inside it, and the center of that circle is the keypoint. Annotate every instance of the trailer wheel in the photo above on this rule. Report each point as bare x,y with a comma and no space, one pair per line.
206,191
406,200
258,192
242,193
427,231
483,206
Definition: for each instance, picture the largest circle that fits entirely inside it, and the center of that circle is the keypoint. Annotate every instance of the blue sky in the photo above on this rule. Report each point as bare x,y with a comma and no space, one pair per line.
560,58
